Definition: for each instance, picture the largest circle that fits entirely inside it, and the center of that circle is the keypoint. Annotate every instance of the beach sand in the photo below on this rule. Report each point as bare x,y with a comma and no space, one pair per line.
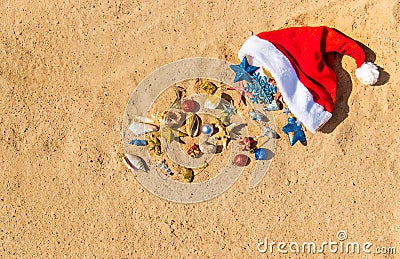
67,71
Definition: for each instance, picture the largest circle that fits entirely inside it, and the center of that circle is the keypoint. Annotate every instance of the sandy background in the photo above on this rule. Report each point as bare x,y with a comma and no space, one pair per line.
66,73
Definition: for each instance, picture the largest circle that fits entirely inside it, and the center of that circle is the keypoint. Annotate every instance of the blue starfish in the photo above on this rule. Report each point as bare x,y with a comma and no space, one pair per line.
294,131
243,71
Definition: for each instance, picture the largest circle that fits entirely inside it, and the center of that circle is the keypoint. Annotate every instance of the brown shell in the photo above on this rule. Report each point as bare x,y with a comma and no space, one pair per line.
192,125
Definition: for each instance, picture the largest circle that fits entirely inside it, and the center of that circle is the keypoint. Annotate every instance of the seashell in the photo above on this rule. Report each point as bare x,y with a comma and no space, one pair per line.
144,119
135,162
192,125
212,102
173,119
162,164
188,174
207,146
139,128
158,116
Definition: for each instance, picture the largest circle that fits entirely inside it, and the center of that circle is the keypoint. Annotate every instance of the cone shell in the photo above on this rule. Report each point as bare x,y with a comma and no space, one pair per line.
139,128
192,125
135,162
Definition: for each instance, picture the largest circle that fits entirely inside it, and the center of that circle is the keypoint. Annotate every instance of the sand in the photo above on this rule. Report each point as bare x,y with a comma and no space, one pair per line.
67,71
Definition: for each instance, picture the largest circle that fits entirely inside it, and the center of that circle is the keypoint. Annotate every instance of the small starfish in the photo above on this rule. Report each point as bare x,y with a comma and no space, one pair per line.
243,71
229,110
246,144
241,90
294,131
286,111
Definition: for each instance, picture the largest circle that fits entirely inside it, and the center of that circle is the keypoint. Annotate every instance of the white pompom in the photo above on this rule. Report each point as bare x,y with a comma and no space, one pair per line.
368,73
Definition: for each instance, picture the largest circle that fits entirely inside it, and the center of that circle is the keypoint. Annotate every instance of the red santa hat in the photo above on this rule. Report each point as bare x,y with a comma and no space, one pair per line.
301,60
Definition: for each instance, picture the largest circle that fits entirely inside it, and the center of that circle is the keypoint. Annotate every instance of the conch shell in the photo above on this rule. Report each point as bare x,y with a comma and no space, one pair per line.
139,128
192,125
135,162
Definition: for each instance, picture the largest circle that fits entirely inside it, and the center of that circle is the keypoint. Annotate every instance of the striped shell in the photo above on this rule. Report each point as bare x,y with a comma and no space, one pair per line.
192,125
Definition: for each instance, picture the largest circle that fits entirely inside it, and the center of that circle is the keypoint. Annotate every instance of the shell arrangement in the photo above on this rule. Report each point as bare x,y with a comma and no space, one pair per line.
180,122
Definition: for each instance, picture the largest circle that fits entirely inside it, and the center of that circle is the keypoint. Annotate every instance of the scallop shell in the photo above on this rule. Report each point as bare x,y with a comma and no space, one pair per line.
139,128
192,125
207,145
135,162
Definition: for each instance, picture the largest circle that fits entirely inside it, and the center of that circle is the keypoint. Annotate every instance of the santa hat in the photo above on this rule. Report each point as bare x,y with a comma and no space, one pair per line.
301,60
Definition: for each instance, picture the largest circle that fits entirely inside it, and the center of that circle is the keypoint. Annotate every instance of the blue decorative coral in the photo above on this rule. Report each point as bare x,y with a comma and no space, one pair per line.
261,90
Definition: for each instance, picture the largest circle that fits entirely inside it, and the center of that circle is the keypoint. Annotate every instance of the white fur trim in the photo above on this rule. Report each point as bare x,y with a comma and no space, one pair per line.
260,52
368,73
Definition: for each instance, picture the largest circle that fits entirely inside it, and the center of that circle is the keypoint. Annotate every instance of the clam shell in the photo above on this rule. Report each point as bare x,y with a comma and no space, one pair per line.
135,162
212,102
139,128
192,125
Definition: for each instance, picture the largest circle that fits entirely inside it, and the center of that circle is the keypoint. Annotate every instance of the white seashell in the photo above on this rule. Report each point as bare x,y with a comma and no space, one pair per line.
139,128
135,162
144,119
207,145
212,102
